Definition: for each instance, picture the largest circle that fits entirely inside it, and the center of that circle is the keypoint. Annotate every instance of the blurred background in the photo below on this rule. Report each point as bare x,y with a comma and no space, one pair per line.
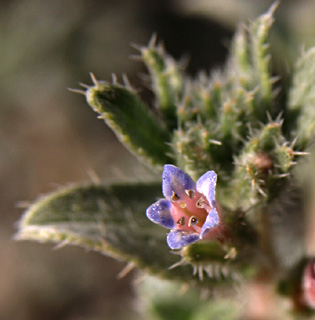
50,137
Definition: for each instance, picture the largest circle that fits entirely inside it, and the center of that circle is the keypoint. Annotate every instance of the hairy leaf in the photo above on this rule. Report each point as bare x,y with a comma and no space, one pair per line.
133,123
167,80
302,97
108,219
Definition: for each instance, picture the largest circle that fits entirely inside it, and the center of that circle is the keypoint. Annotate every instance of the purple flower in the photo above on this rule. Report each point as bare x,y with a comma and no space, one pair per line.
189,208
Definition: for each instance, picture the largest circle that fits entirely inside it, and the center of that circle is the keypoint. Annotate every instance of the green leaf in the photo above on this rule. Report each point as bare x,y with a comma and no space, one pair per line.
249,66
133,123
108,219
163,300
260,56
240,58
302,97
167,80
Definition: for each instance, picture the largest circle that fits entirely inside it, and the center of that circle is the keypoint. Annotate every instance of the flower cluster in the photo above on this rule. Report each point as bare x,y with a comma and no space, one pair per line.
189,208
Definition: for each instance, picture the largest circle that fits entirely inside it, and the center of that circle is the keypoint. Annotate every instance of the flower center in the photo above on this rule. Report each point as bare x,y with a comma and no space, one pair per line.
189,210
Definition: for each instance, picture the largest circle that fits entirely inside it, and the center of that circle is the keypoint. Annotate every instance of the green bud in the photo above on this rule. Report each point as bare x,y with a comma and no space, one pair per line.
266,158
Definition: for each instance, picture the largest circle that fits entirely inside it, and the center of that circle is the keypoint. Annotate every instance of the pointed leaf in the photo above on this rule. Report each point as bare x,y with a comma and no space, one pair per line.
249,66
167,80
260,56
133,123
108,219
302,97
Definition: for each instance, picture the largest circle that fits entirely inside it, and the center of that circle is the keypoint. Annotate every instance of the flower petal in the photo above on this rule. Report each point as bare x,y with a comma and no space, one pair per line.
206,185
159,212
175,180
212,221
177,239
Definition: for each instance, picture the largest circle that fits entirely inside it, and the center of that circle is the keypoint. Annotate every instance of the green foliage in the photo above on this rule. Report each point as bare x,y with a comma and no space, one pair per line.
260,57
163,300
217,111
225,121
110,220
106,219
135,126
302,98
265,161
167,80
